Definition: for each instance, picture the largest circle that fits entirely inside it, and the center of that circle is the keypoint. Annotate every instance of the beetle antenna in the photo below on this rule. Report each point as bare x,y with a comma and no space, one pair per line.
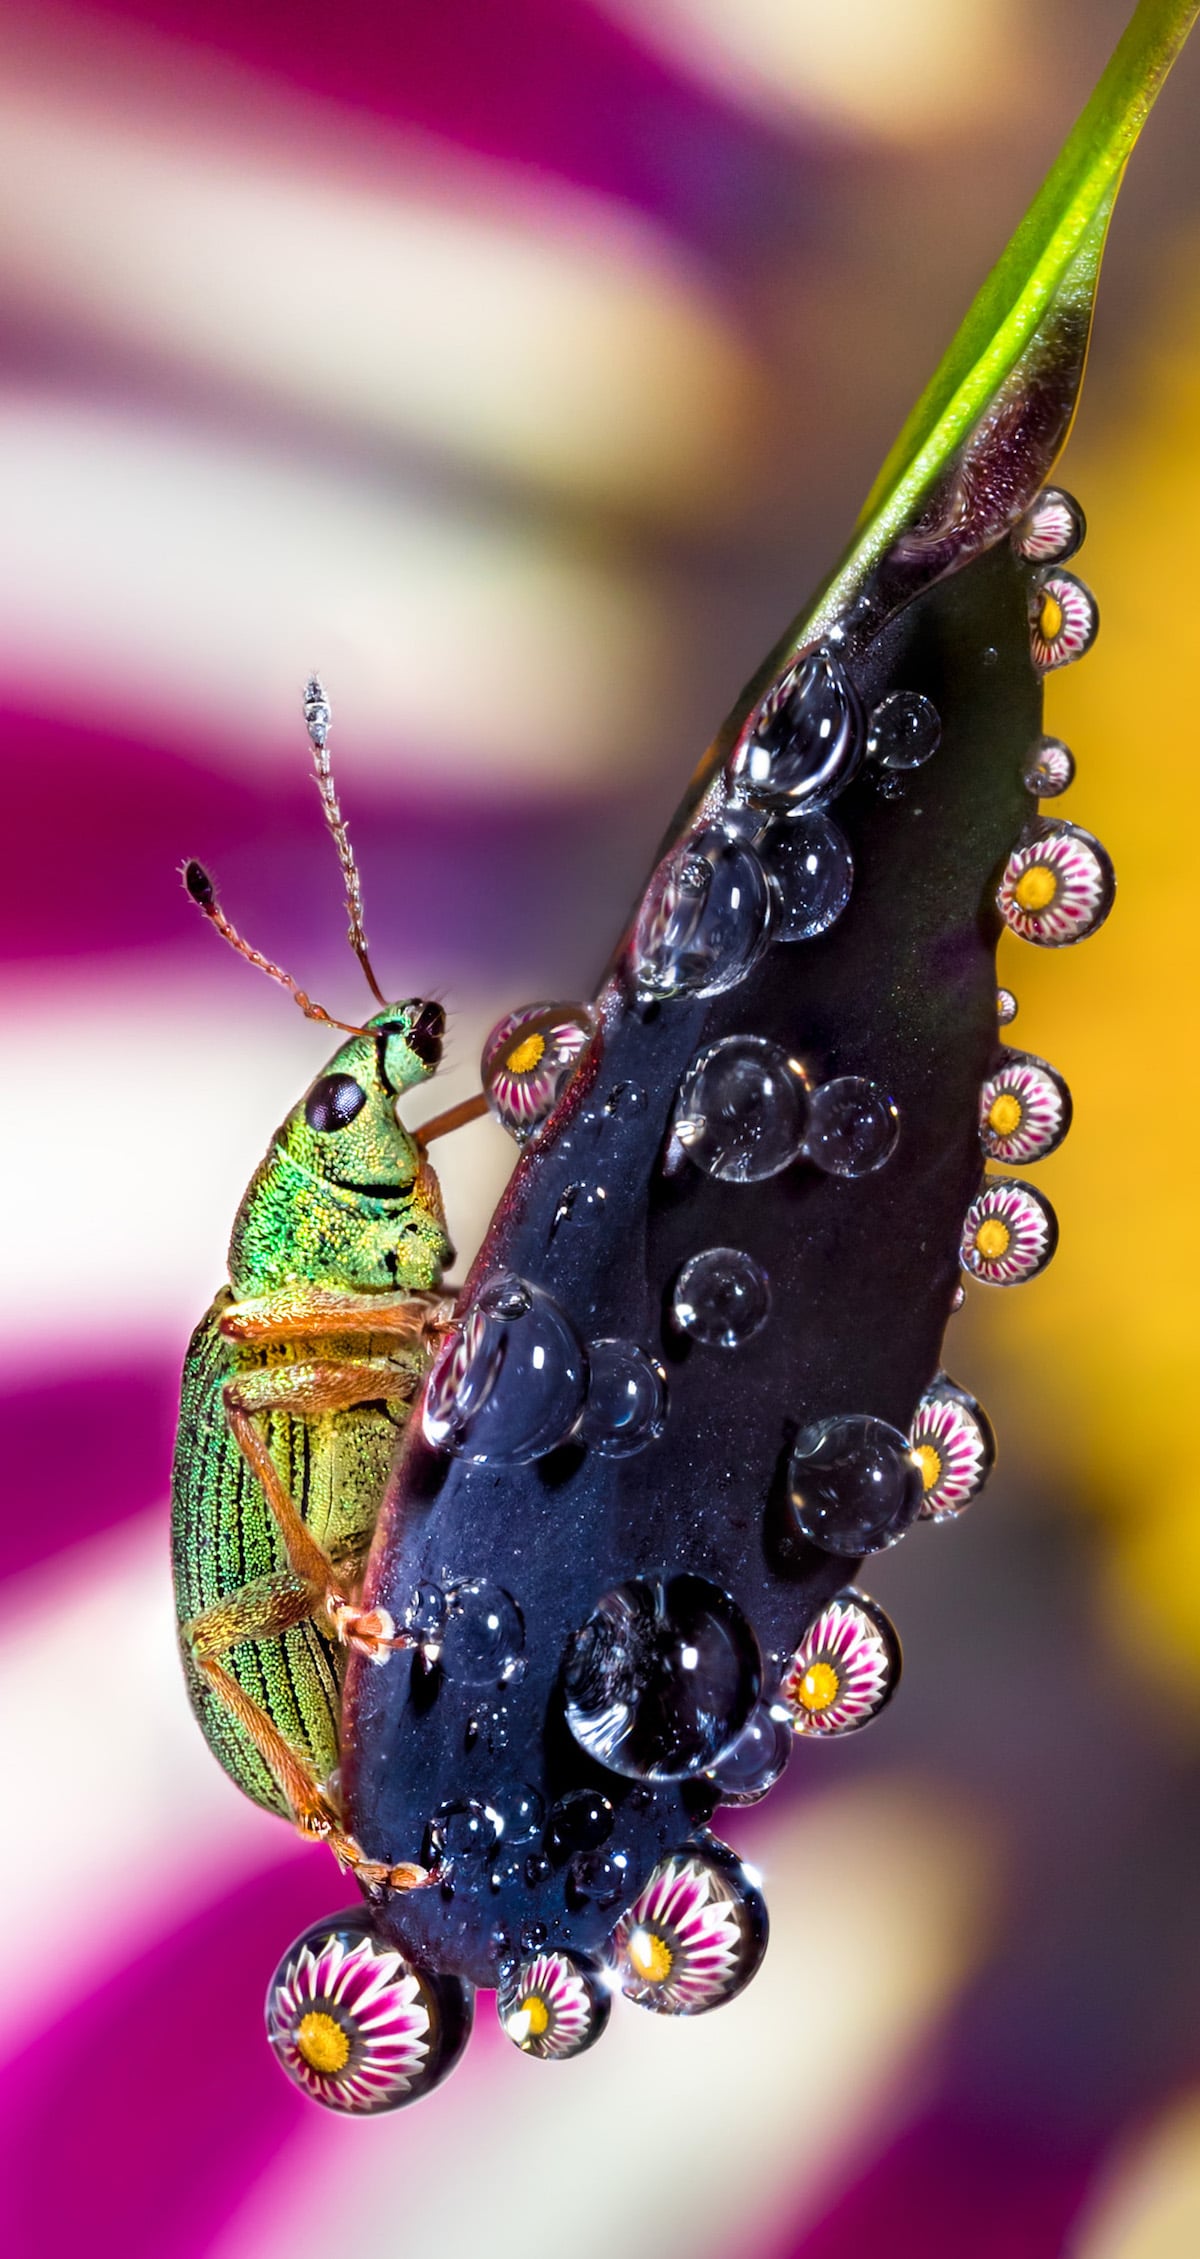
204,894
317,719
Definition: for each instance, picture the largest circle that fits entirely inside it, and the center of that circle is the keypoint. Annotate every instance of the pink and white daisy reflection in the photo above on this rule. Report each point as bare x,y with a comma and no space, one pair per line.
1063,621
528,1060
680,1947
348,2021
1057,886
1052,529
844,1669
951,1441
1024,1109
1010,1233
552,2009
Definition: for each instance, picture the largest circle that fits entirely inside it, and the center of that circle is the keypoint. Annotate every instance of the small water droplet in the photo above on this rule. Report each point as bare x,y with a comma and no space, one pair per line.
703,919
465,1830
852,1127
508,1383
528,1060
1050,768
694,1936
754,1762
507,1873
626,1401
810,746
721,1298
470,1734
742,1109
533,1934
579,1204
854,1487
625,1099
523,1816
555,2007
1006,1006
426,1614
904,731
661,1678
580,1821
809,863
602,1877
537,1867
484,1642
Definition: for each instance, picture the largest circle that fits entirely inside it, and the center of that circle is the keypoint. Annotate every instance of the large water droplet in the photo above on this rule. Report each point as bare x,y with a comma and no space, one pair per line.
810,746
528,1060
853,1485
852,1127
904,731
508,1383
357,2025
811,868
721,1298
742,1109
694,1936
703,919
626,1400
484,1640
753,1763
661,1678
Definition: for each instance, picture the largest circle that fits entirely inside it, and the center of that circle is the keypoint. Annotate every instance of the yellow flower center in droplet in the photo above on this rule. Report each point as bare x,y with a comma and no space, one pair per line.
651,1956
819,1687
322,2042
929,1463
537,2015
993,1239
525,1056
1004,1113
1050,617
1036,887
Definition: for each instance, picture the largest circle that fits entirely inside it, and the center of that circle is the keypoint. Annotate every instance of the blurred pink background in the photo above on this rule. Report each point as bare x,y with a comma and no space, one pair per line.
521,366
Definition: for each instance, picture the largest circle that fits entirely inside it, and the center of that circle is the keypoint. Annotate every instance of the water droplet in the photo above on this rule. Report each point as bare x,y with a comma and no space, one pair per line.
357,2025
507,1385
852,1127
703,920
465,1830
507,1873
1051,529
626,1400
484,1639
952,1441
661,1678
958,1297
1010,1233
845,1669
742,1109
425,1615
721,1298
624,1100
524,1813
528,1060
694,1936
1058,886
904,731
809,745
1006,1006
1024,1109
753,1763
579,1204
537,1867
852,1484
580,1821
601,1877
1050,768
533,1934
1063,620
555,2006
811,868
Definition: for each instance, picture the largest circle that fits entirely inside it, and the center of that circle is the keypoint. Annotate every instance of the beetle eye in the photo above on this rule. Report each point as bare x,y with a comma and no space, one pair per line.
425,1035
333,1101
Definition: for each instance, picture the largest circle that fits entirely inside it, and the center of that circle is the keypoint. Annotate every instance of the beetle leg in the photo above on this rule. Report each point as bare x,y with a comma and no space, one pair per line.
314,1815
312,1312
302,1389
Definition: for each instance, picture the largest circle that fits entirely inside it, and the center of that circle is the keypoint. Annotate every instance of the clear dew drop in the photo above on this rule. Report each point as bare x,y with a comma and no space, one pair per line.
721,1298
465,1830
626,1400
810,866
579,1204
852,1127
508,1383
524,1813
703,919
852,1484
742,1109
754,1762
484,1640
904,731
810,747
662,1677
601,1878
580,1821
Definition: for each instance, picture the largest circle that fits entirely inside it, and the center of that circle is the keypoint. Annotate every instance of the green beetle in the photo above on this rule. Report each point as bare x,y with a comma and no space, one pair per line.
296,1386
